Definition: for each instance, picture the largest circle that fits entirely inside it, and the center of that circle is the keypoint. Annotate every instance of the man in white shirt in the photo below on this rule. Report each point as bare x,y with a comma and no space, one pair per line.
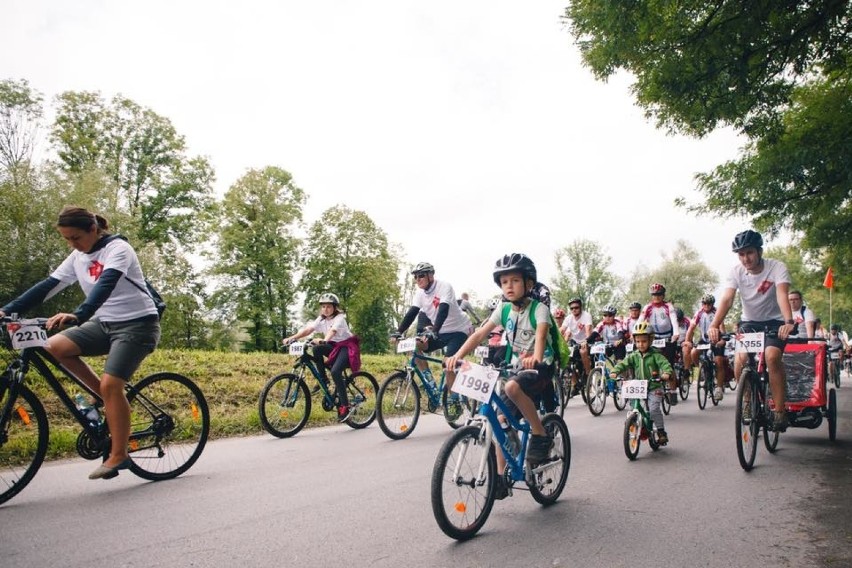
764,286
803,316
578,326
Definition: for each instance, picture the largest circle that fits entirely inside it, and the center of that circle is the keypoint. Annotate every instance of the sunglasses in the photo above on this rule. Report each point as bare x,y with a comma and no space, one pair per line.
421,275
574,307
658,294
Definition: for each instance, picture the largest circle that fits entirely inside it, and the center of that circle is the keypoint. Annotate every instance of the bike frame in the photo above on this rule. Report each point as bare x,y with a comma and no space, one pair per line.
433,392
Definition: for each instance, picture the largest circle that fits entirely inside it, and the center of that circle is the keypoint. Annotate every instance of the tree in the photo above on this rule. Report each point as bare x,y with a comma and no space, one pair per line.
583,270
347,254
20,117
778,72
165,192
257,253
682,272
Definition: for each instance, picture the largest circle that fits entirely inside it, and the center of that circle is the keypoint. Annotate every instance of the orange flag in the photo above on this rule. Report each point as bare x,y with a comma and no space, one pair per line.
829,279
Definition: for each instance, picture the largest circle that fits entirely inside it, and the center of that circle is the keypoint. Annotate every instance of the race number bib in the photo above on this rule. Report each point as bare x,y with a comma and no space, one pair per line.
476,381
750,342
629,348
835,355
481,351
703,347
27,336
659,343
598,349
297,348
634,389
406,345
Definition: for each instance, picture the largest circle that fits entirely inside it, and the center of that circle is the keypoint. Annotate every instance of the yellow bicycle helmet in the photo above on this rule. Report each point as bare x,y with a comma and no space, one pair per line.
642,328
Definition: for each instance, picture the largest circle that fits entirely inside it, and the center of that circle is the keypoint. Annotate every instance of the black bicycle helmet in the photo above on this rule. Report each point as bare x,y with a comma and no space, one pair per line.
423,267
514,262
747,239
635,306
708,299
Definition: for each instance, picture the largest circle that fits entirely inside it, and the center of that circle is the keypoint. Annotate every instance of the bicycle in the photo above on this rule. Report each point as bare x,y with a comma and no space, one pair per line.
834,363
285,402
600,383
753,411
573,378
706,375
169,417
638,425
464,482
682,374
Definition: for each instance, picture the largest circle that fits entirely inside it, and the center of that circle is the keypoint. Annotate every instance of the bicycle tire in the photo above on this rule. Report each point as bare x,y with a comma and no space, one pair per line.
619,401
666,405
596,392
837,375
548,485
461,507
684,383
770,440
23,444
746,433
831,415
702,391
632,435
398,405
362,389
284,405
169,425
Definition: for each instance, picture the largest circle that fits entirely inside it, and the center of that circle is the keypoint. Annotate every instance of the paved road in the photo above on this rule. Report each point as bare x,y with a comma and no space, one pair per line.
338,497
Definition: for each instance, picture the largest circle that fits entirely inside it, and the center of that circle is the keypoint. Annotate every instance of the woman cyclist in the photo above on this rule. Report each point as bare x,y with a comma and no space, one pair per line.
118,318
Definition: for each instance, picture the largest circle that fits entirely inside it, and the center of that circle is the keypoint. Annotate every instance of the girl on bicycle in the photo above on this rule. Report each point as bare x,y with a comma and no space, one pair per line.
118,318
338,344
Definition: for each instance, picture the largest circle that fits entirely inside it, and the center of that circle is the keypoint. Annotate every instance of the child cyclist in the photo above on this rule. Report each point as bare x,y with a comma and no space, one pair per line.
338,344
649,364
530,348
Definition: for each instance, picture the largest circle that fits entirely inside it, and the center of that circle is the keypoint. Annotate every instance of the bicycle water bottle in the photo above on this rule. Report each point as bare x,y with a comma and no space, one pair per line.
87,410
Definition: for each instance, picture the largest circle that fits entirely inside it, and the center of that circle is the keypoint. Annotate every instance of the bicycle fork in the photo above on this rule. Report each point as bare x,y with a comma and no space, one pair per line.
479,480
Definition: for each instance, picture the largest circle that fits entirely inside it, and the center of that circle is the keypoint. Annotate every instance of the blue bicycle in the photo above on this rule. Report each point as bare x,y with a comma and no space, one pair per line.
601,384
398,402
464,478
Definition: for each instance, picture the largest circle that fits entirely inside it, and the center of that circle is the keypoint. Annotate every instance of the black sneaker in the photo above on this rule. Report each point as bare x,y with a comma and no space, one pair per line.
501,490
539,449
662,437
780,421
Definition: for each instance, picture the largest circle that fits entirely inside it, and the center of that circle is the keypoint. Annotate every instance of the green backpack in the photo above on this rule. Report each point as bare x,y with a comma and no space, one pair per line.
561,350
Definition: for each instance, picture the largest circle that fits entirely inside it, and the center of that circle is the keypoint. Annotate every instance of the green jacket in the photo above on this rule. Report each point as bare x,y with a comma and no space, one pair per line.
647,366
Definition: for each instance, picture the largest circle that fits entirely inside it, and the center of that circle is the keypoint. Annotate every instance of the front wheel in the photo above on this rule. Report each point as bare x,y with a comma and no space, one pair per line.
550,476
284,405
169,425
463,482
666,405
23,440
704,380
619,401
685,378
398,406
747,428
632,435
362,390
596,392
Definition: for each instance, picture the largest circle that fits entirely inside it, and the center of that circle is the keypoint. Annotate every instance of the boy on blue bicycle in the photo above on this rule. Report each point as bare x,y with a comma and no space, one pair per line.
529,347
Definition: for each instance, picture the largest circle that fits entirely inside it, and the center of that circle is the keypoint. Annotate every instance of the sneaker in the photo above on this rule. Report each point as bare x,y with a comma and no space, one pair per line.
501,490
662,437
746,407
718,394
344,411
539,449
780,421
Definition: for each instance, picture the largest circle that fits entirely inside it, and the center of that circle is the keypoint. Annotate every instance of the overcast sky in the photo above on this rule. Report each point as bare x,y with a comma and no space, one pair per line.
464,129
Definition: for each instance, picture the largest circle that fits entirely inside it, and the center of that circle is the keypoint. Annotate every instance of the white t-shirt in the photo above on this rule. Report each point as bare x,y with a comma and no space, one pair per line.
802,321
126,302
441,293
577,325
337,323
757,291
662,318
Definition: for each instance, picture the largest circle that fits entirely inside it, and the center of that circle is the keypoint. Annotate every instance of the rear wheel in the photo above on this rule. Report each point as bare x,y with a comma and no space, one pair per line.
463,481
169,425
632,435
747,428
596,392
362,390
285,405
550,476
398,406
685,381
770,440
23,440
